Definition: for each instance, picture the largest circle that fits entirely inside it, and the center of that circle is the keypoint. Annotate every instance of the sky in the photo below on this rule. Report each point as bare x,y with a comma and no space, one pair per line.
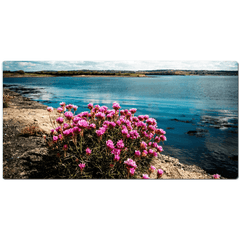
119,65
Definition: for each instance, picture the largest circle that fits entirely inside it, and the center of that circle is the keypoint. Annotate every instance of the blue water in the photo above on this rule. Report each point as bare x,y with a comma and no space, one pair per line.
209,103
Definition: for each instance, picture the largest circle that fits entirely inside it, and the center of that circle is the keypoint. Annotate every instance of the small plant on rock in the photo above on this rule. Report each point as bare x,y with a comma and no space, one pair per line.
31,130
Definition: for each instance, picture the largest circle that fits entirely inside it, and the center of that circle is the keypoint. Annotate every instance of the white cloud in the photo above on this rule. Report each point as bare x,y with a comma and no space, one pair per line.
27,64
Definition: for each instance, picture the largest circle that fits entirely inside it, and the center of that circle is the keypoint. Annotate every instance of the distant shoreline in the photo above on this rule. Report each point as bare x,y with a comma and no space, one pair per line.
112,73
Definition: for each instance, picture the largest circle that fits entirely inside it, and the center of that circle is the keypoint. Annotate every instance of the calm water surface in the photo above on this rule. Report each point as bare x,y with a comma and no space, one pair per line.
205,105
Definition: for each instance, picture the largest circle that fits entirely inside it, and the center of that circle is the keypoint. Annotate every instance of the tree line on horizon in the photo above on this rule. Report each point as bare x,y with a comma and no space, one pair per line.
127,73
72,73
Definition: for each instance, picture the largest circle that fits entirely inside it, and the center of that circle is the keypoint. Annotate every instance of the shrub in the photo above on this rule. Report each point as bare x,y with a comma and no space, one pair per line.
6,99
103,143
21,72
5,105
31,130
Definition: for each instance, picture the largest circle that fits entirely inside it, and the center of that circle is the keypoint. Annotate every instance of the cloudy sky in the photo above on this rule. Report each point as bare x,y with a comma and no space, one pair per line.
118,65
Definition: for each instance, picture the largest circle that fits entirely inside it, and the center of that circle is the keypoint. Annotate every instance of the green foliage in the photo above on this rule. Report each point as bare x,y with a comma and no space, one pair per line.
5,105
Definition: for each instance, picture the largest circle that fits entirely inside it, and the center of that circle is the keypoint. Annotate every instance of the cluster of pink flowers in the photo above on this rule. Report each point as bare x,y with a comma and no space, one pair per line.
126,125
130,163
68,115
110,145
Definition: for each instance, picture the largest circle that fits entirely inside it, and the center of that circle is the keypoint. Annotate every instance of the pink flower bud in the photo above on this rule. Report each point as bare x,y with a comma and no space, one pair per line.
65,147
82,166
49,109
152,168
137,153
145,176
90,106
160,173
88,151
132,171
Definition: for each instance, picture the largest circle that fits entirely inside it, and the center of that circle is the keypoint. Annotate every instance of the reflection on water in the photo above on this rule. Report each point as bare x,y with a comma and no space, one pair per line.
205,106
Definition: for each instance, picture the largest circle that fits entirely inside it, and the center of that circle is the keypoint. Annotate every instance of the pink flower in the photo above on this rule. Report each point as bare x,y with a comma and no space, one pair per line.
160,173
92,126
216,176
97,107
103,109
145,176
90,106
133,110
122,113
100,115
116,106
65,147
141,117
137,153
65,126
82,166
112,124
116,157
150,136
58,129
159,148
66,132
88,151
116,151
120,144
160,131
151,128
155,154
135,119
144,153
154,144
83,114
143,145
132,171
110,144
110,115
60,110
157,139
49,109
124,131
101,131
130,163
52,131
163,138
55,139
75,108
59,120
151,121
134,134
62,104
152,168
150,151
82,124
69,107
76,130
68,115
